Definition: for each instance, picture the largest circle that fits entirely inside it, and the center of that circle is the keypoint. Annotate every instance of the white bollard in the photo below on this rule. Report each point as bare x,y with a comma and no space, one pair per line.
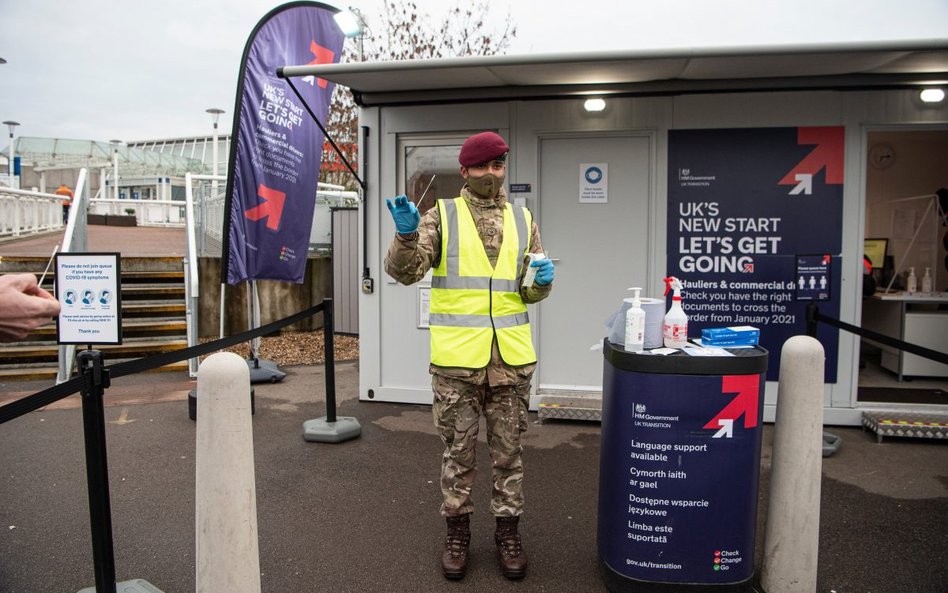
227,557
791,539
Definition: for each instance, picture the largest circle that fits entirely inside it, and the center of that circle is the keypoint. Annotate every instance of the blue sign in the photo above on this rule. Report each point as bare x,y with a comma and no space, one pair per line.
593,174
271,193
742,205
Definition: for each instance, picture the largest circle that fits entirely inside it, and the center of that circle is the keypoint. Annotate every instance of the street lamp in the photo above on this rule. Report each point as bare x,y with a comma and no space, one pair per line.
11,125
352,24
115,177
215,116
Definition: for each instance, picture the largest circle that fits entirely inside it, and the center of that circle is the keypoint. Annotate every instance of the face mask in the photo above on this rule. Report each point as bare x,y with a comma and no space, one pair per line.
487,185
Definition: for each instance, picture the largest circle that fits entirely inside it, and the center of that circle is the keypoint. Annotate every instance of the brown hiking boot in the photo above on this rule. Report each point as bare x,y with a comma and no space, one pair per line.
454,558
513,561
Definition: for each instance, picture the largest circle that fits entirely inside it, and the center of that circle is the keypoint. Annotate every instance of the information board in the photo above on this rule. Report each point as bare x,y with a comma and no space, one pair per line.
90,299
743,204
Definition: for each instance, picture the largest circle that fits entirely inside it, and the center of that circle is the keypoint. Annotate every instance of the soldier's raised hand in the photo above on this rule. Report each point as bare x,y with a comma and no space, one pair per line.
405,215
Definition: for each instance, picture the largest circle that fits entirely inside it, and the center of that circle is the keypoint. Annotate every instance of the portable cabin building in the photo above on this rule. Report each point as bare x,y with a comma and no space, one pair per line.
753,173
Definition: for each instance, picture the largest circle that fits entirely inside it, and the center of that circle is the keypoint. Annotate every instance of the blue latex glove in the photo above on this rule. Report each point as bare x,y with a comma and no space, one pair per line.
405,214
544,272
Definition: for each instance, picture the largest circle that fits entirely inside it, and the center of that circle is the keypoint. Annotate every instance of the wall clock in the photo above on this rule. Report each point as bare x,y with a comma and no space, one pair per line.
881,156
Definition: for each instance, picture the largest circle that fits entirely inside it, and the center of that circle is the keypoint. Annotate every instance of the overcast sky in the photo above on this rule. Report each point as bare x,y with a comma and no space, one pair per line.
133,70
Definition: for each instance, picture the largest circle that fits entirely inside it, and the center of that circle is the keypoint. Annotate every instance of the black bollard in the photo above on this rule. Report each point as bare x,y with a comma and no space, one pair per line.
97,472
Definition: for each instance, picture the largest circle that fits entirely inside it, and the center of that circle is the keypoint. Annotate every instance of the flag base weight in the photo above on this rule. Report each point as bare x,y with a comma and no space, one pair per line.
264,371
133,586
320,430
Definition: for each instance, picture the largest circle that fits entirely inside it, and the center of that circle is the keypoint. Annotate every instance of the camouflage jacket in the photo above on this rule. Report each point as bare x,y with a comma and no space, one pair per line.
410,257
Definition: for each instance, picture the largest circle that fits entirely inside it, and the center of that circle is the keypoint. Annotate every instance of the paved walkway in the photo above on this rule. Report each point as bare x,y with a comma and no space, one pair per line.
130,241
363,515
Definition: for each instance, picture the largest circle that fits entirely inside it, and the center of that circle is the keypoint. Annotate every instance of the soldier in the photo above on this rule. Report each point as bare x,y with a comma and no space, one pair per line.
482,356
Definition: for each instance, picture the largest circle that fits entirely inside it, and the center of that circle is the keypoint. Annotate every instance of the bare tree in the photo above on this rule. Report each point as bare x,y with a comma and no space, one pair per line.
403,32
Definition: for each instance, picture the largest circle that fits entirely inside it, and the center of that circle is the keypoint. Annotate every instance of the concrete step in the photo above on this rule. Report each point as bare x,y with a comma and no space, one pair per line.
130,348
153,317
44,371
131,328
151,291
151,266
152,308
570,406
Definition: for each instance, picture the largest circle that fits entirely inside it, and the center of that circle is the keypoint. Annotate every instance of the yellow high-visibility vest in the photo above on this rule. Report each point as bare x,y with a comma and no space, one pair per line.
471,302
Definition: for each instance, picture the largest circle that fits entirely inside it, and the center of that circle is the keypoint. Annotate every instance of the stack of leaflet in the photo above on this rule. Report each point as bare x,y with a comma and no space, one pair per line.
743,335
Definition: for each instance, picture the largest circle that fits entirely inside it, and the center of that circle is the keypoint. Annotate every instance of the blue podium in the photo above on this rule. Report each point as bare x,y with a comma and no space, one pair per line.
679,470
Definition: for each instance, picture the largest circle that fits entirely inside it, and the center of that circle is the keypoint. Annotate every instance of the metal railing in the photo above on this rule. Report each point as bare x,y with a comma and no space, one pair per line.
75,239
201,224
168,213
25,212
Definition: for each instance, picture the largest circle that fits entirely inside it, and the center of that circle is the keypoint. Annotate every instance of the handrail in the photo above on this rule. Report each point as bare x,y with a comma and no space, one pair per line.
31,194
75,239
29,212
192,273
127,202
190,229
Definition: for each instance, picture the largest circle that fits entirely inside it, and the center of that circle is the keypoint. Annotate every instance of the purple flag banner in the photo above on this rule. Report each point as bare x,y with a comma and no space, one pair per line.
274,161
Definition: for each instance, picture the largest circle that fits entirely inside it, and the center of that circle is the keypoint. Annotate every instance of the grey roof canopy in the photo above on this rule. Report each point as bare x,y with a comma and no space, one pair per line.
894,64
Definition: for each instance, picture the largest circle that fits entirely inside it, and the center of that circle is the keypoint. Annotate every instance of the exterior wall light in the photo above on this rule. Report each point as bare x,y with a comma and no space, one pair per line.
932,96
595,104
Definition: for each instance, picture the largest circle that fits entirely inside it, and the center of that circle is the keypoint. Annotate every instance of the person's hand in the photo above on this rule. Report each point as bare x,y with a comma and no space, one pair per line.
24,306
544,271
405,214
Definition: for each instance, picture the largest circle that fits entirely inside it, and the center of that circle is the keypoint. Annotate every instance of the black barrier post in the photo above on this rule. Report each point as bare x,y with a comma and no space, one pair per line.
330,428
330,361
96,379
811,311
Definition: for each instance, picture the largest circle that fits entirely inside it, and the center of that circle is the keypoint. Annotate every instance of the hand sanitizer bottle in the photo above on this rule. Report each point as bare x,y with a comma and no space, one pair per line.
635,324
675,324
911,284
927,281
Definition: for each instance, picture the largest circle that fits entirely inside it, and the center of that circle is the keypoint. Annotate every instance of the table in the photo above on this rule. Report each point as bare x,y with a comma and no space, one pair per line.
914,318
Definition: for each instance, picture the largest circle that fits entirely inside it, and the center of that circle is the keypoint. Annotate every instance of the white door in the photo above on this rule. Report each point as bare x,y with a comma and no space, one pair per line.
602,248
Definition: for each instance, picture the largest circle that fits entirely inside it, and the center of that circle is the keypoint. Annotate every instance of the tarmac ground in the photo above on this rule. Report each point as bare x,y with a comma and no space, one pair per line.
363,515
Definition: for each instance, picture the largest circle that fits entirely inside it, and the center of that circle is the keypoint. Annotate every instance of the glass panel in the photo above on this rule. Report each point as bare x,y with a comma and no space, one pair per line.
422,163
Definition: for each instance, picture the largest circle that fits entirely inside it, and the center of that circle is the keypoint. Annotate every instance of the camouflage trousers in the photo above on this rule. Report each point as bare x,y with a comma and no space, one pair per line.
457,409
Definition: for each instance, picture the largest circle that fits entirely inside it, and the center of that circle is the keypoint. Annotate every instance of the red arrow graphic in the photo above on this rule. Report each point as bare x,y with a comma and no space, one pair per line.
747,388
272,207
322,55
829,141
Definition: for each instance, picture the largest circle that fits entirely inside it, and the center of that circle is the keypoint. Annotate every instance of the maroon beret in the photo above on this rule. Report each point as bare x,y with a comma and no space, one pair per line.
481,148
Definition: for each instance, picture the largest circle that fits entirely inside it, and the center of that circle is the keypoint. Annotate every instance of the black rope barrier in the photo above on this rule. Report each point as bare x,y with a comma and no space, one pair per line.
92,382
53,394
813,316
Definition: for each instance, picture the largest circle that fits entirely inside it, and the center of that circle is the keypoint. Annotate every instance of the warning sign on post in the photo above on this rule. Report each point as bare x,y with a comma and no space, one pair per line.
88,290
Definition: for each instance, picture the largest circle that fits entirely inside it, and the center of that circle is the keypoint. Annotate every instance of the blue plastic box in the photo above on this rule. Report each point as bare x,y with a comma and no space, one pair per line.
743,335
